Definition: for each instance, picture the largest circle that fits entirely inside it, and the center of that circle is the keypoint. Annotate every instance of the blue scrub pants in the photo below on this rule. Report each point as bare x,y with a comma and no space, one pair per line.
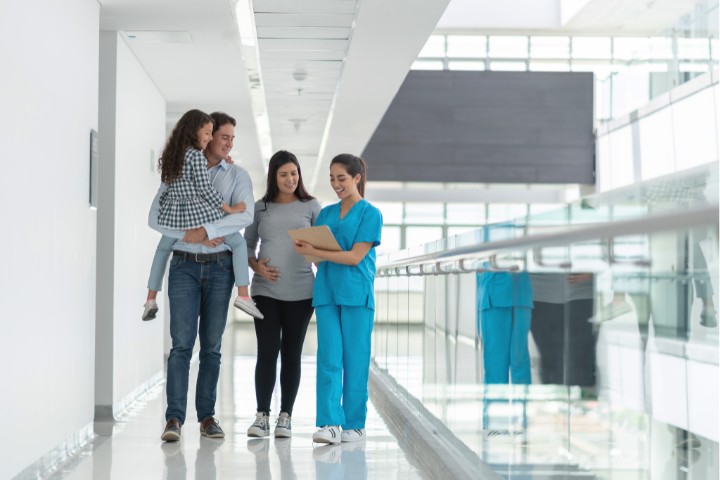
343,362
505,344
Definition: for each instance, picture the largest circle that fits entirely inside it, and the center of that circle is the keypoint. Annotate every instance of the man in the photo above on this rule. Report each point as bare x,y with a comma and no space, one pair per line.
200,283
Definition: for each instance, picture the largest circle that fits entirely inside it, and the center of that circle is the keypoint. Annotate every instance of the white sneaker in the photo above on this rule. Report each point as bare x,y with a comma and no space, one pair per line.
248,306
327,434
283,428
354,435
261,426
150,310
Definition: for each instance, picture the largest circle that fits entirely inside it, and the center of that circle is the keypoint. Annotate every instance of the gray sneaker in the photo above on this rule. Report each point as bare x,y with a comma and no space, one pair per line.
283,429
261,426
248,306
172,431
210,428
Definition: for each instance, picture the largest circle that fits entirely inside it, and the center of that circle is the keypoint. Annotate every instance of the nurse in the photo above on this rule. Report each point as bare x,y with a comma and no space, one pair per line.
344,304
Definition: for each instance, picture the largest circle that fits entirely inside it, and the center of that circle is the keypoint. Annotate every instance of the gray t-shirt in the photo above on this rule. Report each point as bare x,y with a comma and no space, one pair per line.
269,232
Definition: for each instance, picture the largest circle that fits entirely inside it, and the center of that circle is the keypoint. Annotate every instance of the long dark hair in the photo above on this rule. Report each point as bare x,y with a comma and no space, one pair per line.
279,159
354,165
184,135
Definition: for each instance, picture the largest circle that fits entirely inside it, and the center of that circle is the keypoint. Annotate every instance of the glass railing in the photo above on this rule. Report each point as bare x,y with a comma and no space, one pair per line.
620,374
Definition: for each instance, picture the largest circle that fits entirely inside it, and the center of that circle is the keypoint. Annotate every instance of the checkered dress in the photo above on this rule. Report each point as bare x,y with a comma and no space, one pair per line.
190,201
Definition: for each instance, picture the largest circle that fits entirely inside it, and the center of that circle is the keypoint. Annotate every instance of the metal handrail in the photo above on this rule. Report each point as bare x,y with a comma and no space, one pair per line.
607,231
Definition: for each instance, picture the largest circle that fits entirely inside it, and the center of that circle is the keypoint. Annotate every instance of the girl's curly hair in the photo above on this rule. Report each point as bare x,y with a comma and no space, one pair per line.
183,136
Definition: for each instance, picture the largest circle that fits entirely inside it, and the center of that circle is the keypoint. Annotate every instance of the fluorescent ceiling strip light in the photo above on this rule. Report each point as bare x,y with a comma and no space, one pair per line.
245,17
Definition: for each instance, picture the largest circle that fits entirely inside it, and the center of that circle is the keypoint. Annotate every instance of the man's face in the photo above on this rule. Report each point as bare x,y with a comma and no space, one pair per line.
221,143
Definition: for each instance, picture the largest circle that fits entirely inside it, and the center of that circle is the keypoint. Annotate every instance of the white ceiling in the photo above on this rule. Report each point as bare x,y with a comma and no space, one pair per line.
324,71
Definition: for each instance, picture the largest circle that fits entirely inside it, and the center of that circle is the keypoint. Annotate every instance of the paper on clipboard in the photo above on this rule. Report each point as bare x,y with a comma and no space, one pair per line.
319,237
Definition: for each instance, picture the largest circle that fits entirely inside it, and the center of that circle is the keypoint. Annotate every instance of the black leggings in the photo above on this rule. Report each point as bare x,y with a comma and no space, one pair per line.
281,331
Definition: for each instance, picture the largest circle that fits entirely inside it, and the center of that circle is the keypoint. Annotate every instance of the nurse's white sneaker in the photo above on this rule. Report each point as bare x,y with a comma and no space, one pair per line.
327,434
354,435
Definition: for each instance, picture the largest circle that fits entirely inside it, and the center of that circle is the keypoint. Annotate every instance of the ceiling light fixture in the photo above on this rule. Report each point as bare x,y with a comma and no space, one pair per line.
245,18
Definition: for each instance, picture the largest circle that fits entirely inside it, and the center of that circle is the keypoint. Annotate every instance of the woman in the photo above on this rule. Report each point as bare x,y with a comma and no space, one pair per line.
282,289
345,304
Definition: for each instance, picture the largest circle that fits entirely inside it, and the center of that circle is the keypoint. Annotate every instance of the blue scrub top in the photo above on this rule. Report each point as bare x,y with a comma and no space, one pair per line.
349,285
504,289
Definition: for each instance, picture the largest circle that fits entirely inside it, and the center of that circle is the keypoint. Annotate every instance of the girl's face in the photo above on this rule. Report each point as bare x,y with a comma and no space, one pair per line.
287,178
204,135
344,184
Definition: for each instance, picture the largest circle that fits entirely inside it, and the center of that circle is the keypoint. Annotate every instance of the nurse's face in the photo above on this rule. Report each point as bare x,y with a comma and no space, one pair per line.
287,178
344,184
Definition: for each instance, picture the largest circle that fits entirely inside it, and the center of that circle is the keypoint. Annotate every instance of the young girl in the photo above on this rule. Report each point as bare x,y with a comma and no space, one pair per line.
189,202
345,304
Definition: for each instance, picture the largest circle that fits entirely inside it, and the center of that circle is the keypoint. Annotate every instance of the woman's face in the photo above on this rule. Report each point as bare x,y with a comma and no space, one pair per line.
287,178
344,184
204,135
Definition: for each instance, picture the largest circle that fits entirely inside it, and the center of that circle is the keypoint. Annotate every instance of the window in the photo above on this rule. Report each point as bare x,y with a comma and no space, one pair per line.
591,47
461,46
508,47
550,47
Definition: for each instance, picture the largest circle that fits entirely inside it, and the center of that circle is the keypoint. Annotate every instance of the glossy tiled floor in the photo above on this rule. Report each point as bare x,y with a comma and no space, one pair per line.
135,451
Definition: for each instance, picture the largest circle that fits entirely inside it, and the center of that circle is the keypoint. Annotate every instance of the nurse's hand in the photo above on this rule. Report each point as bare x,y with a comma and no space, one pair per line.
303,248
266,271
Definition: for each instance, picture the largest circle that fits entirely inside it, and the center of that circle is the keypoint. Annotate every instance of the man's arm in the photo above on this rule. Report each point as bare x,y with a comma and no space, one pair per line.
153,216
240,191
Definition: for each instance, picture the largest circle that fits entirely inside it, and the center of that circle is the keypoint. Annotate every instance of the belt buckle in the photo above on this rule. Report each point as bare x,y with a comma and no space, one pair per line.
197,259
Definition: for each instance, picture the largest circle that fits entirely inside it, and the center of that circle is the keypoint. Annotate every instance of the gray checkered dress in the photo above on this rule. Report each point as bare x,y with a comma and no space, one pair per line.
190,201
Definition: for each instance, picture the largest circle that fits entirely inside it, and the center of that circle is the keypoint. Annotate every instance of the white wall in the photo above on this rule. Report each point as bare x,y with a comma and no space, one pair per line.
132,133
48,100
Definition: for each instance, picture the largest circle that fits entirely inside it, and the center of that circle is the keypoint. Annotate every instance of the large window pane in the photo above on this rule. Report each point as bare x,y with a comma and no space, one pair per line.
548,66
509,47
550,47
502,212
591,47
631,48
392,212
465,214
466,65
391,240
693,48
424,213
466,46
427,65
508,66
415,236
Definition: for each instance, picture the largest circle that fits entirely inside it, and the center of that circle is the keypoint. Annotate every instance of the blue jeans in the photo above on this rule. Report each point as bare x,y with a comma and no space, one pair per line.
199,299
505,344
235,241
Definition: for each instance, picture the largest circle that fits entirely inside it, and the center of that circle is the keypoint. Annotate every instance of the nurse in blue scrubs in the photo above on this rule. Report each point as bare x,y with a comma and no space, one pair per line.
344,304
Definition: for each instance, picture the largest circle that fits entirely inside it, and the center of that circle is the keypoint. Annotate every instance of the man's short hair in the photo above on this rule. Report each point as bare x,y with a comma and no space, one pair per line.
220,119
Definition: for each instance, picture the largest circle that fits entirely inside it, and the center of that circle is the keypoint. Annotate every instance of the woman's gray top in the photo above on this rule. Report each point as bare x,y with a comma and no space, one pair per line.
269,232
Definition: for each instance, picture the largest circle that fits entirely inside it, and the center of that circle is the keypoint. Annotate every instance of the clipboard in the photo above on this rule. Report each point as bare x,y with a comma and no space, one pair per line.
319,237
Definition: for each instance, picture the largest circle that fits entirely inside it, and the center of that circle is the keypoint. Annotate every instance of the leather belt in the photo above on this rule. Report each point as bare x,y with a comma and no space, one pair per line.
202,257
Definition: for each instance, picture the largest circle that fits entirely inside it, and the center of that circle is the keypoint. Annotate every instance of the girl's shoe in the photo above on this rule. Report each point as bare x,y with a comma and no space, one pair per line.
150,310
